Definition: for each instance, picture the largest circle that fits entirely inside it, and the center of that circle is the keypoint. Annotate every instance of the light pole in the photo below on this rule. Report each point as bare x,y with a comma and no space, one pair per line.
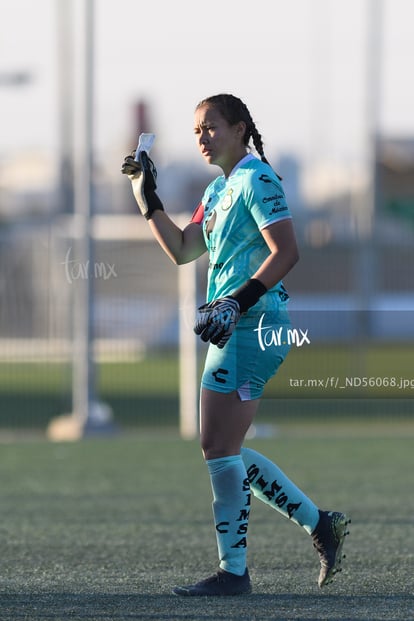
88,415
83,387
366,269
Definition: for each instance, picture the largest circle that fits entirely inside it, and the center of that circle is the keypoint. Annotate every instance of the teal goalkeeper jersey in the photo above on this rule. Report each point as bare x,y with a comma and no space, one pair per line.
232,212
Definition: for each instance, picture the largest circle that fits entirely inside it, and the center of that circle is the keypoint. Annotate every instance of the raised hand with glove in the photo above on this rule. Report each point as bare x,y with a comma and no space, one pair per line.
216,320
142,174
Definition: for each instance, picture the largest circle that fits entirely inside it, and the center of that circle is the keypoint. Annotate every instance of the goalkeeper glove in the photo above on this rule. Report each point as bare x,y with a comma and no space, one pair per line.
143,174
216,321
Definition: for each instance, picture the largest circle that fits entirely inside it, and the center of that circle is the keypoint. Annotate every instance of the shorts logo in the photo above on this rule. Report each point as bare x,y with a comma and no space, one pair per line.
216,375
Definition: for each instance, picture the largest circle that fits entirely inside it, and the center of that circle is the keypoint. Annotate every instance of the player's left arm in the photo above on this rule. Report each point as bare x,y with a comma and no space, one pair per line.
280,238
217,320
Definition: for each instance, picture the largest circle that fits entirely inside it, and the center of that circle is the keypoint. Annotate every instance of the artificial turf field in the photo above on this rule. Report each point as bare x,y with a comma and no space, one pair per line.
103,528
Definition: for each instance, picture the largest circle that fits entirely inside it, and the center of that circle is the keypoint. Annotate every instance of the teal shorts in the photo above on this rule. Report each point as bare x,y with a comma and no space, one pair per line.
252,355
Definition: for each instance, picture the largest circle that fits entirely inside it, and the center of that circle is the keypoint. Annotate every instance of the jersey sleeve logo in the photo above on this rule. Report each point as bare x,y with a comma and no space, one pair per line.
266,179
277,199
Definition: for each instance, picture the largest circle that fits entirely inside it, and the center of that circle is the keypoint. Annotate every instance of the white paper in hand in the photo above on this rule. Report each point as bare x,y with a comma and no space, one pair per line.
145,143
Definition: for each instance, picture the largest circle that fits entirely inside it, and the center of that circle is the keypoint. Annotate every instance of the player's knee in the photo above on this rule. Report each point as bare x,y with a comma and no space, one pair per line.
208,449
214,449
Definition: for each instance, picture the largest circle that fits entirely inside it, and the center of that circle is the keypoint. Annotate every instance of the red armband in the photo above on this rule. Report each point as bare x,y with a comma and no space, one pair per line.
198,214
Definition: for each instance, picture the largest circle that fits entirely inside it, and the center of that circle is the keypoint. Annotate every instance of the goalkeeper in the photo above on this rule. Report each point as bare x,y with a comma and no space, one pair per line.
244,223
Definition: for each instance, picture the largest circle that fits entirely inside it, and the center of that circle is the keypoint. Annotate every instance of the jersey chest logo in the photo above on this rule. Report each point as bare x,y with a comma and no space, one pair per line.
227,201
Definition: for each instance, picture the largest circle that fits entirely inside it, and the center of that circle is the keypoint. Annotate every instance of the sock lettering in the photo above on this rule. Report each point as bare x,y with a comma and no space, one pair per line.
292,507
273,493
220,527
241,544
281,499
242,530
260,481
244,515
274,489
252,472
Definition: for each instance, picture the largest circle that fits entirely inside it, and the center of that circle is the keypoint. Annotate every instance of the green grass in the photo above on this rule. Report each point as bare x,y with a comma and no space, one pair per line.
383,366
146,392
158,374
101,529
139,393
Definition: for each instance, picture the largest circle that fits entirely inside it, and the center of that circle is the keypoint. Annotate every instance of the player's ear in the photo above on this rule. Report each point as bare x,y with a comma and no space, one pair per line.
241,129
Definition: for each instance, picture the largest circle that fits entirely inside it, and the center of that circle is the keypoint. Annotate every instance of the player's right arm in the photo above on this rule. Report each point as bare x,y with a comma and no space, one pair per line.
181,245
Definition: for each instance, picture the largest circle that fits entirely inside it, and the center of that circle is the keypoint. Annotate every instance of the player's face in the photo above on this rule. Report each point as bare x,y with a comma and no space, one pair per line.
219,142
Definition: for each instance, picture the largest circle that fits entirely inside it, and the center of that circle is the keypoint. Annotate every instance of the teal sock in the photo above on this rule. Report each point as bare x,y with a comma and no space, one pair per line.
231,508
272,486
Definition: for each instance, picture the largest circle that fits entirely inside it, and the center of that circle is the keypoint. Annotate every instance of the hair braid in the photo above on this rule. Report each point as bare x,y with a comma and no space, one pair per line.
254,134
258,142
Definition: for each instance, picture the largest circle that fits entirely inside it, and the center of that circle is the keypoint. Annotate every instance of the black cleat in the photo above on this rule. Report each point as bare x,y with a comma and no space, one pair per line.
222,583
328,539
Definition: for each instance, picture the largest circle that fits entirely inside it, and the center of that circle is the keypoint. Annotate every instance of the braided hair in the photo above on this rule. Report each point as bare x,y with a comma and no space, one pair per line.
234,110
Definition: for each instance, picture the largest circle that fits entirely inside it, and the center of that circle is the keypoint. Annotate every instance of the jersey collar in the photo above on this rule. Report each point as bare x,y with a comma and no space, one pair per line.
243,161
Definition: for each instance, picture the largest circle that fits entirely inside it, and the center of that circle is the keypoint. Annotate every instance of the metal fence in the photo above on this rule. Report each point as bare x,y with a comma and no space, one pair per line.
138,306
